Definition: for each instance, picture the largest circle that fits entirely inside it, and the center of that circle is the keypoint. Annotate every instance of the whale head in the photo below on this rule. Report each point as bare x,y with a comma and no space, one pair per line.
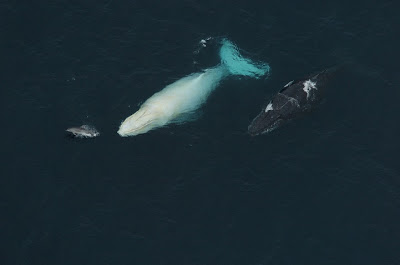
141,122
265,121
279,110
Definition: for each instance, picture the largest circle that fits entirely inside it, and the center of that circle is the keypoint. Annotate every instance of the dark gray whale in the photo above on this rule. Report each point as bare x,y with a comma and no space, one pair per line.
294,98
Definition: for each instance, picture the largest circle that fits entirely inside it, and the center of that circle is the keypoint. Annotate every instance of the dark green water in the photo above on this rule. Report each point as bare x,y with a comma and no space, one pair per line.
324,189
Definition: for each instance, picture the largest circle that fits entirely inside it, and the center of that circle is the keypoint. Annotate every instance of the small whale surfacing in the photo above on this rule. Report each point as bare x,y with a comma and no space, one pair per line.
84,131
180,99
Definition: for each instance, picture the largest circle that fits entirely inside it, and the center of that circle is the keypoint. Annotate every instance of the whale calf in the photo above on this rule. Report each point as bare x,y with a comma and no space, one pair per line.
179,100
295,97
84,131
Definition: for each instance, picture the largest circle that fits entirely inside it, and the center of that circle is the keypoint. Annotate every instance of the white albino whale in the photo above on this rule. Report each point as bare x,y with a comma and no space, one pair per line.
180,99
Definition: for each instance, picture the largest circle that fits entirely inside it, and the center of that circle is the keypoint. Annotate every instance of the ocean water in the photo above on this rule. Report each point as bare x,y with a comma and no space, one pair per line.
323,189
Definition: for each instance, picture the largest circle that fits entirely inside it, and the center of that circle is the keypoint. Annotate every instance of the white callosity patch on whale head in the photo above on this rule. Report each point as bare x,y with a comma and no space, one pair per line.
308,85
269,107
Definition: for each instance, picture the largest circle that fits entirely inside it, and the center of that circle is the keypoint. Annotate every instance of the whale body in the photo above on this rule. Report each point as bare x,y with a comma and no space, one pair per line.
176,100
294,98
179,100
84,131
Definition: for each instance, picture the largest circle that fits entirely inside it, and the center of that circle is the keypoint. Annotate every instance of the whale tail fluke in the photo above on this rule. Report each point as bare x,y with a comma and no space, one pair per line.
239,65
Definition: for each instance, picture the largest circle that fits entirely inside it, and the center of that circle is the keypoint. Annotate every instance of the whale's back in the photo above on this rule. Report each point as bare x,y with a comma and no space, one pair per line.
186,94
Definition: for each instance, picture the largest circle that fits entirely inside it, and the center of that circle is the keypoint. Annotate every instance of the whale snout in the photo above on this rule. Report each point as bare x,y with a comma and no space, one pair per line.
264,123
141,122
122,132
131,127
